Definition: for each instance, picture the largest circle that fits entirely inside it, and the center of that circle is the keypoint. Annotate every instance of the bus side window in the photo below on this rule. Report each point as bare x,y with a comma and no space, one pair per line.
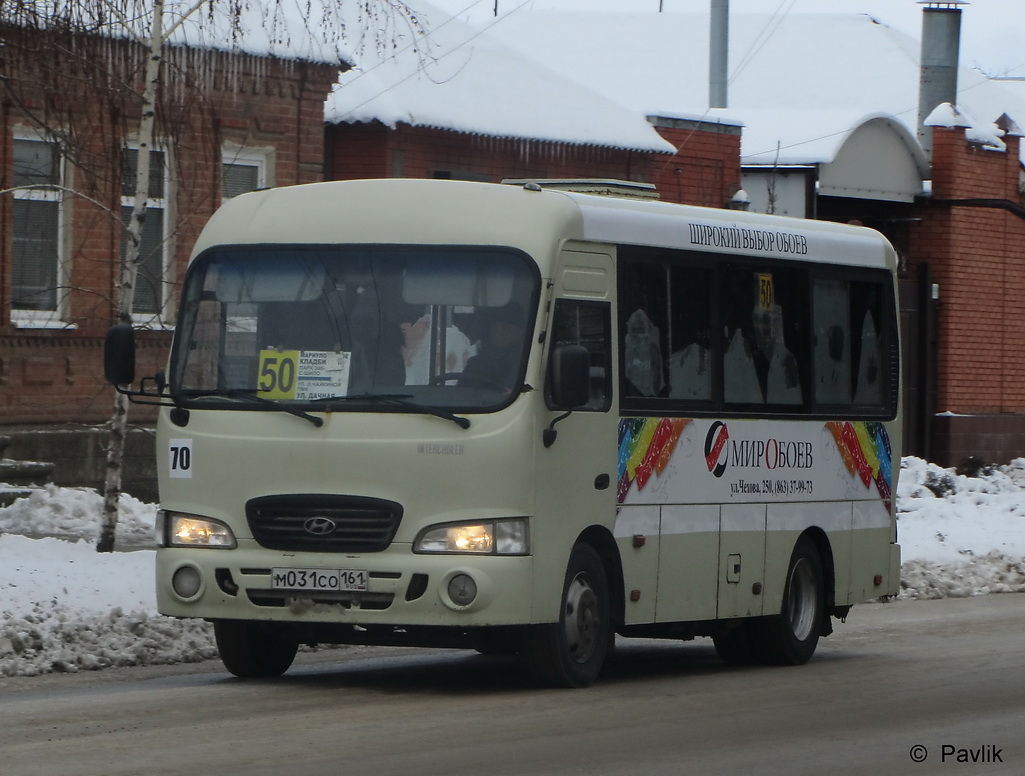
832,341
642,356
589,324
867,358
690,363
643,328
766,314
743,375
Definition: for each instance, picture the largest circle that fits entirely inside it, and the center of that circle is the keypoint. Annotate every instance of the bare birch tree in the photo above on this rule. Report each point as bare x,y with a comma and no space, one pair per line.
151,24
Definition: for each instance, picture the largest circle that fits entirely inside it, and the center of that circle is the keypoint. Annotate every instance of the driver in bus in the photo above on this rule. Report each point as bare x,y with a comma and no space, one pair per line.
500,351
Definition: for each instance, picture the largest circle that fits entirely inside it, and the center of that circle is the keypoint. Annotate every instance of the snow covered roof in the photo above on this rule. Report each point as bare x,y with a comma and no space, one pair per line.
321,31
799,83
461,79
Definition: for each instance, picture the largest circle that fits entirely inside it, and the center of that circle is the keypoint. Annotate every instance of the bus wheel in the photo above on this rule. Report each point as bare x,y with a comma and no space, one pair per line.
790,637
252,650
570,653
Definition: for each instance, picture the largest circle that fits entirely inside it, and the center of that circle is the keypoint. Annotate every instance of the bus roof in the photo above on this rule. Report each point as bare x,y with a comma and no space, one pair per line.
443,212
714,230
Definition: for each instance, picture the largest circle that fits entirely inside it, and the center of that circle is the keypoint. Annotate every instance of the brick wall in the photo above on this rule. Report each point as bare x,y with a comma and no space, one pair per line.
975,241
972,232
706,168
55,378
54,374
706,171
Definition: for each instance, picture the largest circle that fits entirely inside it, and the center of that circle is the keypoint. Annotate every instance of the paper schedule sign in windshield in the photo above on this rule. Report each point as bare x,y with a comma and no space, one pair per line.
303,375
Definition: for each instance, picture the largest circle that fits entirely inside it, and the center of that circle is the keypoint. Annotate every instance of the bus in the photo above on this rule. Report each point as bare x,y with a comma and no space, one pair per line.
523,420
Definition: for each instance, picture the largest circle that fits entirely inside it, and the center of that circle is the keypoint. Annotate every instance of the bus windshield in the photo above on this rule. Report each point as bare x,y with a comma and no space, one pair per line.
347,327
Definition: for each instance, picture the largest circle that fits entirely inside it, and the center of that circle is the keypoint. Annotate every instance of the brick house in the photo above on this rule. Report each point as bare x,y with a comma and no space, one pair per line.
968,242
226,123
705,171
466,106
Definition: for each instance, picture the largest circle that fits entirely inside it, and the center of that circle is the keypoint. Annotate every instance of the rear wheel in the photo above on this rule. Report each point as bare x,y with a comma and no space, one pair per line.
571,652
253,650
790,638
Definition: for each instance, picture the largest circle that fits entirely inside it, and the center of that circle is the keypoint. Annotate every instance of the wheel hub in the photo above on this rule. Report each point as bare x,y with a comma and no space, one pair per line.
582,619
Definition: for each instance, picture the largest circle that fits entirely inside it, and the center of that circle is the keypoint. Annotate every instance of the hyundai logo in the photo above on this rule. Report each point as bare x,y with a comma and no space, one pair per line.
320,526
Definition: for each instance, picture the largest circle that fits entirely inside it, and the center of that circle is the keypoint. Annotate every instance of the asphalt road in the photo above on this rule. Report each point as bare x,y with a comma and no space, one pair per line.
943,678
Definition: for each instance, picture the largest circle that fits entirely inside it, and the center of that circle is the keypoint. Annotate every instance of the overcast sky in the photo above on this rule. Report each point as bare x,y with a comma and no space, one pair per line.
992,31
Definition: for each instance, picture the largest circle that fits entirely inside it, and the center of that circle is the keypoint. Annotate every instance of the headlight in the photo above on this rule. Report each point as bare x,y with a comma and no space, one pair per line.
178,530
492,537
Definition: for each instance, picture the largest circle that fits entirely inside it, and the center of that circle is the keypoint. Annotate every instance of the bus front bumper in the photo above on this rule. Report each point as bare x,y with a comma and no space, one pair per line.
400,588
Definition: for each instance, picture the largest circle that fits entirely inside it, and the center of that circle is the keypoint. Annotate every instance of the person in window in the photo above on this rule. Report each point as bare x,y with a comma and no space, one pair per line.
500,351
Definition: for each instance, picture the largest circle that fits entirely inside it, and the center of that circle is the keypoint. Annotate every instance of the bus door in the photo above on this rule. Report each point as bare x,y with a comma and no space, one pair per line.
576,475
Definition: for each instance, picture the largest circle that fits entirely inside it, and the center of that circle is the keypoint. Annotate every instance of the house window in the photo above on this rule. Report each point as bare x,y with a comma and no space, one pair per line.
241,171
151,281
36,282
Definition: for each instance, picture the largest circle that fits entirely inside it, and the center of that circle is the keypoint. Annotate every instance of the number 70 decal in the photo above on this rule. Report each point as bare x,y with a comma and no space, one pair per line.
179,458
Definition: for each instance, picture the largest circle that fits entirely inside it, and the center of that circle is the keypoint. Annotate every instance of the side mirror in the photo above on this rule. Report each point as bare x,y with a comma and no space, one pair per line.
571,376
119,354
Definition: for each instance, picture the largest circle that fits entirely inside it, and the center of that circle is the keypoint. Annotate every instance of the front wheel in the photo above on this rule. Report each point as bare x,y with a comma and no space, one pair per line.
252,650
571,652
790,637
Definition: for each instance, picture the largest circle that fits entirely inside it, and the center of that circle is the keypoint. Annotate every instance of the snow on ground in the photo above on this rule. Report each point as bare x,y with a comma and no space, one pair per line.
65,607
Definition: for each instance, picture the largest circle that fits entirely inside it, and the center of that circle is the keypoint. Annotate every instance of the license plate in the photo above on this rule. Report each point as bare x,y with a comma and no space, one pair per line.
318,580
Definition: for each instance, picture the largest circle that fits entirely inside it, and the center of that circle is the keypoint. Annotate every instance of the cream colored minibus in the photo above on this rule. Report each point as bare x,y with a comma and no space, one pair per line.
517,419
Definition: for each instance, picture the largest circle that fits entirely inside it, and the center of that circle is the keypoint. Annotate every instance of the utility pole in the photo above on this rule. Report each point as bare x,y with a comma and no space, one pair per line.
718,53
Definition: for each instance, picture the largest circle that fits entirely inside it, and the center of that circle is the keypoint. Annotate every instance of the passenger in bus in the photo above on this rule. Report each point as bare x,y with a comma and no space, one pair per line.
642,356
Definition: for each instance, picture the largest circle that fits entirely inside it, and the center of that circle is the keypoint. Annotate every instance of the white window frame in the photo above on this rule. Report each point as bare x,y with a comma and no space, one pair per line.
163,317
56,318
260,158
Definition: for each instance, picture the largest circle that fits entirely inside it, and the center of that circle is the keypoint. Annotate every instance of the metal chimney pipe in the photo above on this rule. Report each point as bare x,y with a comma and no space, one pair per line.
718,53
941,36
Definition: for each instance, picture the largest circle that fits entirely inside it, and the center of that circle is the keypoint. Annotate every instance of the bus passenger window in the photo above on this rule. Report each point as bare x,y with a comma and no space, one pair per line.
867,357
832,342
766,332
743,377
642,356
690,363
643,327
740,379
782,381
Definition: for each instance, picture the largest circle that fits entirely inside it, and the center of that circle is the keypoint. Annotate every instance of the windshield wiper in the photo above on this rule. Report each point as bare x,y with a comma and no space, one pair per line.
397,399
250,393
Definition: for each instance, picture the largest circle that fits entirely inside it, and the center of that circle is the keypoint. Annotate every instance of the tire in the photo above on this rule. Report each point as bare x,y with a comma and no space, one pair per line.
790,638
254,650
571,652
